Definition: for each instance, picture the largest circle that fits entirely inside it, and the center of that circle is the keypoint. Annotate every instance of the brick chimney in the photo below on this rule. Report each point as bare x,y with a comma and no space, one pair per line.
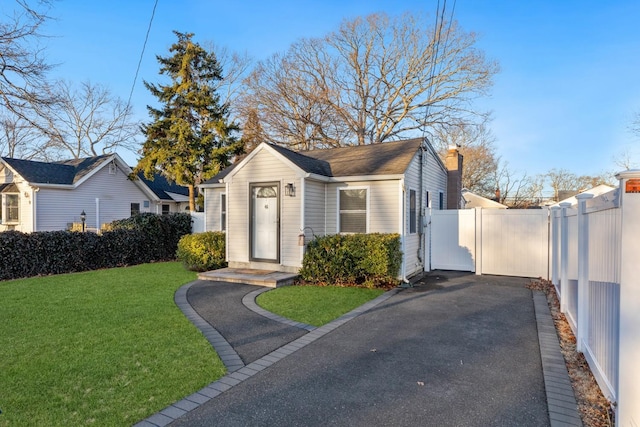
453,163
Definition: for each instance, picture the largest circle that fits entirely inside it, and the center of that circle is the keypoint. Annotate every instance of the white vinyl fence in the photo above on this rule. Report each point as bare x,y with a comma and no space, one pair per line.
197,222
513,242
596,271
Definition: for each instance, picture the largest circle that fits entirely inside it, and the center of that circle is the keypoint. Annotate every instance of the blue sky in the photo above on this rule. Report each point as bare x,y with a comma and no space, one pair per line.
564,98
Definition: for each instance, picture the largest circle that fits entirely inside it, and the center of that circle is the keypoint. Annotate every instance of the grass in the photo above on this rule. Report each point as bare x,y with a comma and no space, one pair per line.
315,305
106,347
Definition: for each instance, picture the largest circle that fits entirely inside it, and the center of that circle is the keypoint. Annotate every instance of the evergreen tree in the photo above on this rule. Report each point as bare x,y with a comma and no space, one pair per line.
190,138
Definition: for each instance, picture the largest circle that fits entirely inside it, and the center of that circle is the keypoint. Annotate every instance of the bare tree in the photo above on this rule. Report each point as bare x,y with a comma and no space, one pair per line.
87,121
374,79
626,159
564,182
23,68
236,66
476,144
19,139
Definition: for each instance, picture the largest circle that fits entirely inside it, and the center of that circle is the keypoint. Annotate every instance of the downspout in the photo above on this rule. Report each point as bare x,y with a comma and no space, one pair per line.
421,209
302,218
34,219
403,272
97,215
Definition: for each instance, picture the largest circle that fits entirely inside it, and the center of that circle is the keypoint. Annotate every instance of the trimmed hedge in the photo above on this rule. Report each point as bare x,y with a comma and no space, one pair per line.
137,240
367,260
202,251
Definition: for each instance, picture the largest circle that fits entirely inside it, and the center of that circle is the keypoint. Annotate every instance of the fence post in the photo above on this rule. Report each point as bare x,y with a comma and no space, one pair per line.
628,409
555,245
564,256
583,272
478,240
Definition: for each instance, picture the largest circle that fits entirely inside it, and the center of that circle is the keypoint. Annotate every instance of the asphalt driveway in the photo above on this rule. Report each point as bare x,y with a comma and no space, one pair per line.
456,351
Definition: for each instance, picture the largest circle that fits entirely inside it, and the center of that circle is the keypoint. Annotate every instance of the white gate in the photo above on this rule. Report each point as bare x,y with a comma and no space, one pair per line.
513,242
453,245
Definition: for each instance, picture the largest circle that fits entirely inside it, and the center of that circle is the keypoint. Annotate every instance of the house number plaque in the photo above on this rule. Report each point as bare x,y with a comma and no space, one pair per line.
632,186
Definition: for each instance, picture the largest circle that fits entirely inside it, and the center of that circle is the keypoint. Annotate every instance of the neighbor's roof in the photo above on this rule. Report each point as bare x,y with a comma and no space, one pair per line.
595,191
388,158
65,172
161,186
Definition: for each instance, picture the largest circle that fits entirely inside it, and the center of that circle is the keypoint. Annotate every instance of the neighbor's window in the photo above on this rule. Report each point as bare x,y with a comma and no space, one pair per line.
223,212
12,208
412,211
135,208
353,210
166,209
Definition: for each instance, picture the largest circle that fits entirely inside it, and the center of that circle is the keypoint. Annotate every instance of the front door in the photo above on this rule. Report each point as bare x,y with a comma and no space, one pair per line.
264,222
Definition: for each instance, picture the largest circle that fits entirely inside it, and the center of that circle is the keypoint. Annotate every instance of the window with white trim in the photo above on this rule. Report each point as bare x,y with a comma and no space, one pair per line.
441,206
135,208
413,212
352,204
166,209
12,209
223,212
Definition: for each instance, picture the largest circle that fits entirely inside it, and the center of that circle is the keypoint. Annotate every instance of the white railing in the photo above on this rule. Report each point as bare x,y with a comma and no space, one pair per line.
596,272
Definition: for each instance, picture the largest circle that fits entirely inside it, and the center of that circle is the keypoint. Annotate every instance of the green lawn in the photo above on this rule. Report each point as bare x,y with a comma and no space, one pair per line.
315,305
107,347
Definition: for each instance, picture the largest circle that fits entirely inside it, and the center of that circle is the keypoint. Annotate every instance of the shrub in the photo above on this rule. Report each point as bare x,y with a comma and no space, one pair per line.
367,260
202,251
147,238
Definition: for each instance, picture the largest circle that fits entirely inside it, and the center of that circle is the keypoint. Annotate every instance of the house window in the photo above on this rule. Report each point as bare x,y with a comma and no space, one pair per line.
412,211
441,201
12,213
223,212
166,209
427,201
135,208
353,210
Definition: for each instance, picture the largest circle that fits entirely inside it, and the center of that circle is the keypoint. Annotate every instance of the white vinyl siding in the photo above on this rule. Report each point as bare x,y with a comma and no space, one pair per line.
263,167
314,209
115,192
212,201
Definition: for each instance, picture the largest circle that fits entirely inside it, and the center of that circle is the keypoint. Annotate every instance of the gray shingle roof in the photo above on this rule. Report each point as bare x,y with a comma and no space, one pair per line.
65,172
160,186
389,158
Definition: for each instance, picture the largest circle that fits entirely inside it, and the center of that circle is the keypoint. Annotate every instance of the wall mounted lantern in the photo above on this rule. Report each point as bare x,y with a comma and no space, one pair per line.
290,190
83,218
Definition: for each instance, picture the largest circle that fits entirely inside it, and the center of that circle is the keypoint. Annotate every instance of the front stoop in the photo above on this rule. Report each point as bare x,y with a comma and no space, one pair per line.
272,279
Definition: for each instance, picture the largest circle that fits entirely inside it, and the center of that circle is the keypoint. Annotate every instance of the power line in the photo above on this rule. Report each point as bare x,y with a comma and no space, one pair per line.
135,78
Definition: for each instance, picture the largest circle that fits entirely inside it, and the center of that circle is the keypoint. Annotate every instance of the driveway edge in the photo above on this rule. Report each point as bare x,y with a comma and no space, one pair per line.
561,401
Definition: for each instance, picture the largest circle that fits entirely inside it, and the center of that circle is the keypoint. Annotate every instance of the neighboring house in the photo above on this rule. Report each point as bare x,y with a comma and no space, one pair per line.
472,200
276,199
171,196
48,196
595,191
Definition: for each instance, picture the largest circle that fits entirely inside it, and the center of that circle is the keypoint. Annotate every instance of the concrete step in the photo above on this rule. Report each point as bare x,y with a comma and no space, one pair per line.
268,278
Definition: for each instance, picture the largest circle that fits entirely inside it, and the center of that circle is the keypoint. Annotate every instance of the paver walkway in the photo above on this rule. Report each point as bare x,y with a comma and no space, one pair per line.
456,351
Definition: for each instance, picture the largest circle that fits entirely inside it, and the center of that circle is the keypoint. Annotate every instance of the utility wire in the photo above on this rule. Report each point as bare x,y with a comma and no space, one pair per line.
135,78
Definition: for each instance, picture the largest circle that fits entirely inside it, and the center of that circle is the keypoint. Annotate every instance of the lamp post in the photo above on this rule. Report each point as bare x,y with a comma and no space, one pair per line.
83,218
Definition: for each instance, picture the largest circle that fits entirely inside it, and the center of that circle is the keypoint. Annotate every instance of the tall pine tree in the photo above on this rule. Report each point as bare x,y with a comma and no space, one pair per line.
190,138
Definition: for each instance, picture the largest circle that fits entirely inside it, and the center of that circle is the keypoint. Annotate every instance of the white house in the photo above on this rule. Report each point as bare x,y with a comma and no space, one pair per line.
275,200
47,196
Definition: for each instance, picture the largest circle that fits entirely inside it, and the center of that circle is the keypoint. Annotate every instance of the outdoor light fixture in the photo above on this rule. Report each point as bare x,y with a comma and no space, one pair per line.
83,218
290,190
